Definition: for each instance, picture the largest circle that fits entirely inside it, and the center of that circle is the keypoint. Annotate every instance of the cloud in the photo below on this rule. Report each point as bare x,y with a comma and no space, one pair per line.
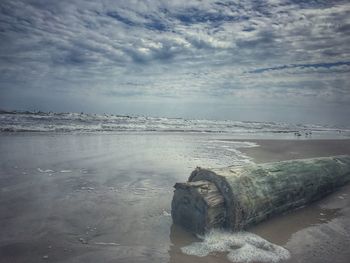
180,49
329,66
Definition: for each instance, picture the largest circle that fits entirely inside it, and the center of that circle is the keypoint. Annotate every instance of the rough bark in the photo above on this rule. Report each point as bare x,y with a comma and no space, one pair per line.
252,193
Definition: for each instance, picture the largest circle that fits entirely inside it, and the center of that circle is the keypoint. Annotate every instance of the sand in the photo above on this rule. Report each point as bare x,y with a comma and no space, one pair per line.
280,150
106,198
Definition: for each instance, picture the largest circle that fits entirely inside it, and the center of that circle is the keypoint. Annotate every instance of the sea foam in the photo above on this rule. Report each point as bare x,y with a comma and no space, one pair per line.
80,122
241,247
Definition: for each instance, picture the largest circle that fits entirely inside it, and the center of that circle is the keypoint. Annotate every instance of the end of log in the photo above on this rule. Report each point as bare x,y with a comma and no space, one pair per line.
198,206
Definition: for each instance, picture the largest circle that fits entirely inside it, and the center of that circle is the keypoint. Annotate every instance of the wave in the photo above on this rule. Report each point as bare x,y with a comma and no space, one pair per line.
80,122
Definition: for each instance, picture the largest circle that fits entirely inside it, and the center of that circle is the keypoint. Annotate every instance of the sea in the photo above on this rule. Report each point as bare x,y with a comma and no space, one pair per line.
15,121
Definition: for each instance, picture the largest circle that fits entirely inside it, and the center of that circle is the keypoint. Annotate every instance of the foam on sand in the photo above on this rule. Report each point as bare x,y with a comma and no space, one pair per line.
241,247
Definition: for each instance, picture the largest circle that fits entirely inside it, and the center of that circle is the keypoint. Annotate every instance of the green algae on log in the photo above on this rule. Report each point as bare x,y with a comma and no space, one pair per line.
238,196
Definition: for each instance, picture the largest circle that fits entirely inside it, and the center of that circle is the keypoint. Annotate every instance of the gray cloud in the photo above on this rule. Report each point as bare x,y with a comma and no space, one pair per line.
213,50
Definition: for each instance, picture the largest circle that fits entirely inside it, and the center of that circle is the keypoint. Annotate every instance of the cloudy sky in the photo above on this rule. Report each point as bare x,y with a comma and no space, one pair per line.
263,60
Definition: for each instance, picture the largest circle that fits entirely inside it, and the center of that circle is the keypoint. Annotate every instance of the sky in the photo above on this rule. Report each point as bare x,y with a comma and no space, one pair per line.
255,60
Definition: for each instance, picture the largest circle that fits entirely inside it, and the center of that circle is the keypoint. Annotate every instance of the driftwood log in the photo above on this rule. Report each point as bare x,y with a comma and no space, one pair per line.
238,196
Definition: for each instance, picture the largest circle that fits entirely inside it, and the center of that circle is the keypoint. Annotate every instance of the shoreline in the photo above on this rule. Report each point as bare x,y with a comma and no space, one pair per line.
106,198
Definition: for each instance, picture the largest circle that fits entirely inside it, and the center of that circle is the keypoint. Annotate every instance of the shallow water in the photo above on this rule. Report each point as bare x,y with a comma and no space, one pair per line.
107,193
106,197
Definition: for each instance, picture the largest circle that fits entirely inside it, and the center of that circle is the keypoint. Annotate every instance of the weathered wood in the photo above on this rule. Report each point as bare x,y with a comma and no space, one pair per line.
198,206
252,193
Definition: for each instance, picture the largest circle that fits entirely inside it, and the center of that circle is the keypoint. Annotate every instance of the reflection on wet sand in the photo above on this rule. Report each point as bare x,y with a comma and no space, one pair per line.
279,229
112,202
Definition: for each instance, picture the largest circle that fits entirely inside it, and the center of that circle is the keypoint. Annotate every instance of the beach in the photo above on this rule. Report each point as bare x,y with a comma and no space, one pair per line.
108,107
92,197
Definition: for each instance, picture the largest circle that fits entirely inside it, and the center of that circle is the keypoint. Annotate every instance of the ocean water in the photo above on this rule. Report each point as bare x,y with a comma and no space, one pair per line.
80,122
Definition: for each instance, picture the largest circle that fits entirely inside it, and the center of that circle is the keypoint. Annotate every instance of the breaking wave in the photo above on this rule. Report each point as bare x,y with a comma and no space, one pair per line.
81,122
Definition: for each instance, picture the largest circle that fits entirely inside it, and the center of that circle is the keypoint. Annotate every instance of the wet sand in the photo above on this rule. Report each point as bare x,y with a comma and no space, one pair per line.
280,150
106,198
